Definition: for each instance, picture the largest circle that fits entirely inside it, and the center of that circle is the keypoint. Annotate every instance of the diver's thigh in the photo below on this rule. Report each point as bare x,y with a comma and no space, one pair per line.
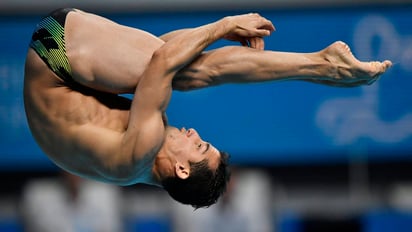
105,55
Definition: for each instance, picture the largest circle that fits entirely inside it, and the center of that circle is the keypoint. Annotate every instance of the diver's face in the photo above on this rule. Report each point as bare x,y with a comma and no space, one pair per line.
187,146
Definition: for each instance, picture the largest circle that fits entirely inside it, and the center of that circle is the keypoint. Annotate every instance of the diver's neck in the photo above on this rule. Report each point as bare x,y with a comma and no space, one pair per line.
162,167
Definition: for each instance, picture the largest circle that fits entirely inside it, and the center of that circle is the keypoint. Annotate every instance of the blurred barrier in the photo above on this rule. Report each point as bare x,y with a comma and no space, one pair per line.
381,220
385,220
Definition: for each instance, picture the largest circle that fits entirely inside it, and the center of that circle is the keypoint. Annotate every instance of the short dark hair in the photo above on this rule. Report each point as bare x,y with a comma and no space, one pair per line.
203,187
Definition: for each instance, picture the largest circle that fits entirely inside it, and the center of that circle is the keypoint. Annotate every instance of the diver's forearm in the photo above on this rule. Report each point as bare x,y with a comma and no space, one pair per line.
183,48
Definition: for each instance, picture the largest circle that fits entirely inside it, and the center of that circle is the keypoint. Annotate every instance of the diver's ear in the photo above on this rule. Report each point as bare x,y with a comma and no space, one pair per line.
182,171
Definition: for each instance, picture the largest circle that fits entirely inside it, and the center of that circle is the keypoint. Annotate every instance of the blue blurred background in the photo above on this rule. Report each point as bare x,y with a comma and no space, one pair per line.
318,158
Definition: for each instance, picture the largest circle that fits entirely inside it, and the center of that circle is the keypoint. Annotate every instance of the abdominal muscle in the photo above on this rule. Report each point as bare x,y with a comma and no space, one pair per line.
54,111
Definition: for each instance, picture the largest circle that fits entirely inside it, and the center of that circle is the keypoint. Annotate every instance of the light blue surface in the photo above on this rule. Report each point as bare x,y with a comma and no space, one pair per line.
271,123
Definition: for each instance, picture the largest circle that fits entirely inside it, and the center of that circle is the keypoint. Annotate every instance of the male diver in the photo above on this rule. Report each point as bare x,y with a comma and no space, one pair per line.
78,63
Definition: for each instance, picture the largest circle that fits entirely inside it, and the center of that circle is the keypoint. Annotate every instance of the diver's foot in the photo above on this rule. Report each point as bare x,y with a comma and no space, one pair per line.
347,70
